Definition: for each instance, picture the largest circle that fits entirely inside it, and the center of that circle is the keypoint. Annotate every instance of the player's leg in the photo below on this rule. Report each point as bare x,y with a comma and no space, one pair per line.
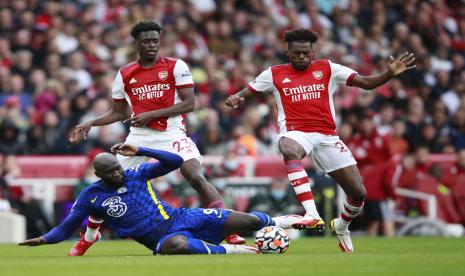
182,245
351,182
209,197
200,231
239,222
293,153
333,156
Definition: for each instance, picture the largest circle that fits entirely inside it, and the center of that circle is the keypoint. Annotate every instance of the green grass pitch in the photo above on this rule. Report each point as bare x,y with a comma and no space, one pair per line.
309,256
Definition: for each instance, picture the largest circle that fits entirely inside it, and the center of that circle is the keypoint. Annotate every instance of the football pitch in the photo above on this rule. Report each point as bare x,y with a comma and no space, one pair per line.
309,256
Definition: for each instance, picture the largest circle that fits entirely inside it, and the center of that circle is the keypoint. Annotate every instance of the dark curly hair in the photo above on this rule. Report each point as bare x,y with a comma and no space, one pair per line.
145,26
301,35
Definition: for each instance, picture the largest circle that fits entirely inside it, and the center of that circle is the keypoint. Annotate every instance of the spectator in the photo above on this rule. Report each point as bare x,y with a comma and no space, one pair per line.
10,143
24,202
368,146
265,144
397,143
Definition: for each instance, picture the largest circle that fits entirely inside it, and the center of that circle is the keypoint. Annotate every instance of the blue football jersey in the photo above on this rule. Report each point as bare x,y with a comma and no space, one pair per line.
132,210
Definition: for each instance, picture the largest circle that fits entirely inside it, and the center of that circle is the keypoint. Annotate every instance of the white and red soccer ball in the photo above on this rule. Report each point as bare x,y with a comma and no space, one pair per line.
272,239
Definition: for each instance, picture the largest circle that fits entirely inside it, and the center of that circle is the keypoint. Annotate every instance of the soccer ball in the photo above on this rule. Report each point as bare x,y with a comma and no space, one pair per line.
272,239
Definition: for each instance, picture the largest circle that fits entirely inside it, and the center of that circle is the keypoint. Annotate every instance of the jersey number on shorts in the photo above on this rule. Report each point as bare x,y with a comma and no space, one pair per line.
215,212
183,144
341,146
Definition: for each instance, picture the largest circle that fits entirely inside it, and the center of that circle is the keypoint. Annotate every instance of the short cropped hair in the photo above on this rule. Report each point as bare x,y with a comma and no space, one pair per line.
145,26
300,35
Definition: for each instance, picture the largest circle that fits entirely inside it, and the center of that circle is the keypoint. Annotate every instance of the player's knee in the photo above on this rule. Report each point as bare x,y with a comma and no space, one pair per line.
289,151
175,245
289,154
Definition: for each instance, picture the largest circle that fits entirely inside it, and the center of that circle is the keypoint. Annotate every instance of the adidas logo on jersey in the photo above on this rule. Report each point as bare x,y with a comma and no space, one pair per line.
286,80
133,80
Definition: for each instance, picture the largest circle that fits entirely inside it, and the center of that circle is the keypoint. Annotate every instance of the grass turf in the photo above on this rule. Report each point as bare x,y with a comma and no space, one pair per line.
310,256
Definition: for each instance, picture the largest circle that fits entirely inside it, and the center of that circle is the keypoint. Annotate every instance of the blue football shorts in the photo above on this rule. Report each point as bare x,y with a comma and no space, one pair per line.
197,223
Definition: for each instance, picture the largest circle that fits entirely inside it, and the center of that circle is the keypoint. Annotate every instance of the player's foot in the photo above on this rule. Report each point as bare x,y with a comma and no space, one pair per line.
287,222
309,222
345,242
81,246
240,249
235,239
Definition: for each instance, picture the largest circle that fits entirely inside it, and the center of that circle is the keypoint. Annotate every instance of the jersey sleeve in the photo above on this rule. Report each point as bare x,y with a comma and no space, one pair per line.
182,75
81,205
262,83
167,162
117,90
341,74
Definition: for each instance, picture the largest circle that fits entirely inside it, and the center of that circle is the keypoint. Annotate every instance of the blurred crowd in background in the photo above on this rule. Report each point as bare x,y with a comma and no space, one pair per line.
58,60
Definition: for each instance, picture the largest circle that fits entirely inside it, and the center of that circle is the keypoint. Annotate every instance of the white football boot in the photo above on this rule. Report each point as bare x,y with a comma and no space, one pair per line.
345,242
309,222
287,222
240,249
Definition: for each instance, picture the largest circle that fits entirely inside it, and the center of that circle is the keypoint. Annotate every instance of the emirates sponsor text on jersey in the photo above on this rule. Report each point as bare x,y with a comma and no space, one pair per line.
304,92
151,91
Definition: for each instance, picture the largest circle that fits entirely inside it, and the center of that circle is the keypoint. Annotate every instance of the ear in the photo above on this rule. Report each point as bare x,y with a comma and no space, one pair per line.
97,174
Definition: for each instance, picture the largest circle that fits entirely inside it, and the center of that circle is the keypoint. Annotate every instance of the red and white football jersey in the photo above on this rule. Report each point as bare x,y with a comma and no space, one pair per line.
304,98
147,89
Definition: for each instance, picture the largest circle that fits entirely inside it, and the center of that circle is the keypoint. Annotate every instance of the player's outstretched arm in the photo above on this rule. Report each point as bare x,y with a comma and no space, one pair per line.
59,233
186,105
34,242
118,112
395,68
237,99
167,161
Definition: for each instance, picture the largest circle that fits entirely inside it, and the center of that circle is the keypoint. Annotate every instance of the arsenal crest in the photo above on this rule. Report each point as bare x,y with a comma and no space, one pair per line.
163,75
317,75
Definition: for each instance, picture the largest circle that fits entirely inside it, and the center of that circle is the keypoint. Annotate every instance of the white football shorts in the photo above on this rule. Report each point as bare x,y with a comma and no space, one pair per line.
328,152
172,140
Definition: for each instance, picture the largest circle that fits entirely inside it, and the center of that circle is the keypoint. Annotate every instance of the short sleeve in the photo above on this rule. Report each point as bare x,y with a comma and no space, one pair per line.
262,83
341,74
182,75
117,90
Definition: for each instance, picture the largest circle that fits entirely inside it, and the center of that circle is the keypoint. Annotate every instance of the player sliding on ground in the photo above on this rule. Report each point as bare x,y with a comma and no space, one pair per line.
132,208
303,90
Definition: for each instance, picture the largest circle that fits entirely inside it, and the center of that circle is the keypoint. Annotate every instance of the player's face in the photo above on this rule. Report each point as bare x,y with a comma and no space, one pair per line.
147,45
113,175
300,54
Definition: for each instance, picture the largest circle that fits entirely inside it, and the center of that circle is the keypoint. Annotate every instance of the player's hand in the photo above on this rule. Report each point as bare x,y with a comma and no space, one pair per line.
33,242
403,63
81,129
124,149
234,101
141,120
